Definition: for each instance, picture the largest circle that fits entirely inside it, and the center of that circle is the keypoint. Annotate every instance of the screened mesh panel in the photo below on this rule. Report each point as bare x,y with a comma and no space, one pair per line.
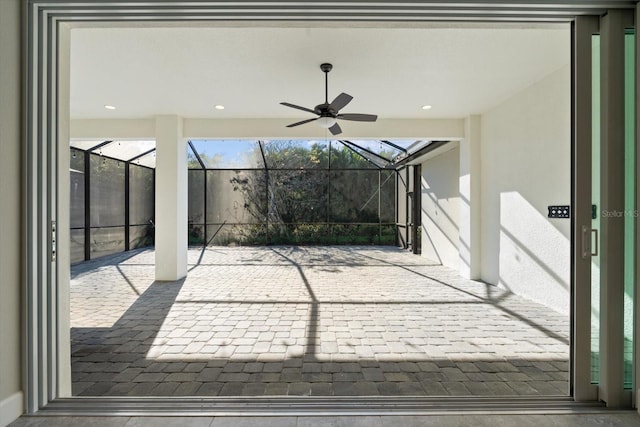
364,234
301,233
298,196
311,192
342,157
229,154
141,195
393,149
148,160
388,196
192,159
76,246
107,192
107,195
140,236
388,234
404,143
315,192
354,196
372,156
417,146
76,171
196,234
196,196
378,147
126,150
401,206
236,196
296,154
85,145
106,241
236,234
332,234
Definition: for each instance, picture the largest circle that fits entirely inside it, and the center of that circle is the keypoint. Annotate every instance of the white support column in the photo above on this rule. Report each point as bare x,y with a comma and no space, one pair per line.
469,188
171,199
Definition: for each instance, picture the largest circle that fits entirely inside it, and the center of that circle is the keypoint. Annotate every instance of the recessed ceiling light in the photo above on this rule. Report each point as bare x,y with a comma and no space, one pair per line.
426,107
219,107
109,107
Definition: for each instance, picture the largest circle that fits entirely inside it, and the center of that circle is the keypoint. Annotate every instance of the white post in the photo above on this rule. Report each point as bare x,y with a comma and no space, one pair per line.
469,188
171,199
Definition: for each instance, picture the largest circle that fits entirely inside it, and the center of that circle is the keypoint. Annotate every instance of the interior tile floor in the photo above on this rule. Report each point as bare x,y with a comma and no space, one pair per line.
317,321
614,419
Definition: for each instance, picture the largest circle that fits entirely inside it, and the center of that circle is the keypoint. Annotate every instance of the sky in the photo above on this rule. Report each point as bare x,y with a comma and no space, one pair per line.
238,153
235,153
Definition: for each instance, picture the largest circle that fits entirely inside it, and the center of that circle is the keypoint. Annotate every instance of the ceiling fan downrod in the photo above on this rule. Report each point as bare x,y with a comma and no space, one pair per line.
326,67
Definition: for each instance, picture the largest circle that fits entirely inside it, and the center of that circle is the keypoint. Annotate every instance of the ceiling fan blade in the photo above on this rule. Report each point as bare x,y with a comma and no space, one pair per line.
340,102
302,122
286,104
356,117
335,129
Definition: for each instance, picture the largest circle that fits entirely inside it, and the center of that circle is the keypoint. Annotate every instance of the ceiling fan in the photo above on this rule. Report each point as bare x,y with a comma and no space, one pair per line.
329,113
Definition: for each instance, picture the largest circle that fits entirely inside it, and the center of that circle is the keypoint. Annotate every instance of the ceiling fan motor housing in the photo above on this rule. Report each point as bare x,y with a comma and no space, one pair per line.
324,111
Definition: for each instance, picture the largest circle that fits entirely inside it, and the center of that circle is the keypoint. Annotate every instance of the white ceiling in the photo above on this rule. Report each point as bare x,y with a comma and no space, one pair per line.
391,72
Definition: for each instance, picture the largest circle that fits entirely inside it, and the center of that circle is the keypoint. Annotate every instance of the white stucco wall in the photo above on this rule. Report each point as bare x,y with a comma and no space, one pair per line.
440,208
11,398
526,166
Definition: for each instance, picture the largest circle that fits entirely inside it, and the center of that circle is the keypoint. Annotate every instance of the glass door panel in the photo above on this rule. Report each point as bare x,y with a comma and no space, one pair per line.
630,213
595,210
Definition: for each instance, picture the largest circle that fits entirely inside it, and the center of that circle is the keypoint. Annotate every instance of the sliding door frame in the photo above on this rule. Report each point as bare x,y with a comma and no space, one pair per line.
47,25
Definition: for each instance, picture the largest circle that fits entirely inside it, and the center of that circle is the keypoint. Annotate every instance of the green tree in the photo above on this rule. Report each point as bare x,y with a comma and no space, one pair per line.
298,194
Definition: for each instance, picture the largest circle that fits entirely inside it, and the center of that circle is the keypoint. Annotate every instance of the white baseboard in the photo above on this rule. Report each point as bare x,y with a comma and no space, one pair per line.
11,408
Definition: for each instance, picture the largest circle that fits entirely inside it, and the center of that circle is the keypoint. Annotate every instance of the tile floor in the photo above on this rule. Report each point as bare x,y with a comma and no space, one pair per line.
615,419
317,321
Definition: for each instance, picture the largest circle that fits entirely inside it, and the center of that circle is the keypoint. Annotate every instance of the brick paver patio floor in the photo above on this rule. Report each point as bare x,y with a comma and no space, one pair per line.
307,321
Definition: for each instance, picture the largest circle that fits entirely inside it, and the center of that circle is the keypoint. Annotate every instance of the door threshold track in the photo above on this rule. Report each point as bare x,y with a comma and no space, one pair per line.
315,406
